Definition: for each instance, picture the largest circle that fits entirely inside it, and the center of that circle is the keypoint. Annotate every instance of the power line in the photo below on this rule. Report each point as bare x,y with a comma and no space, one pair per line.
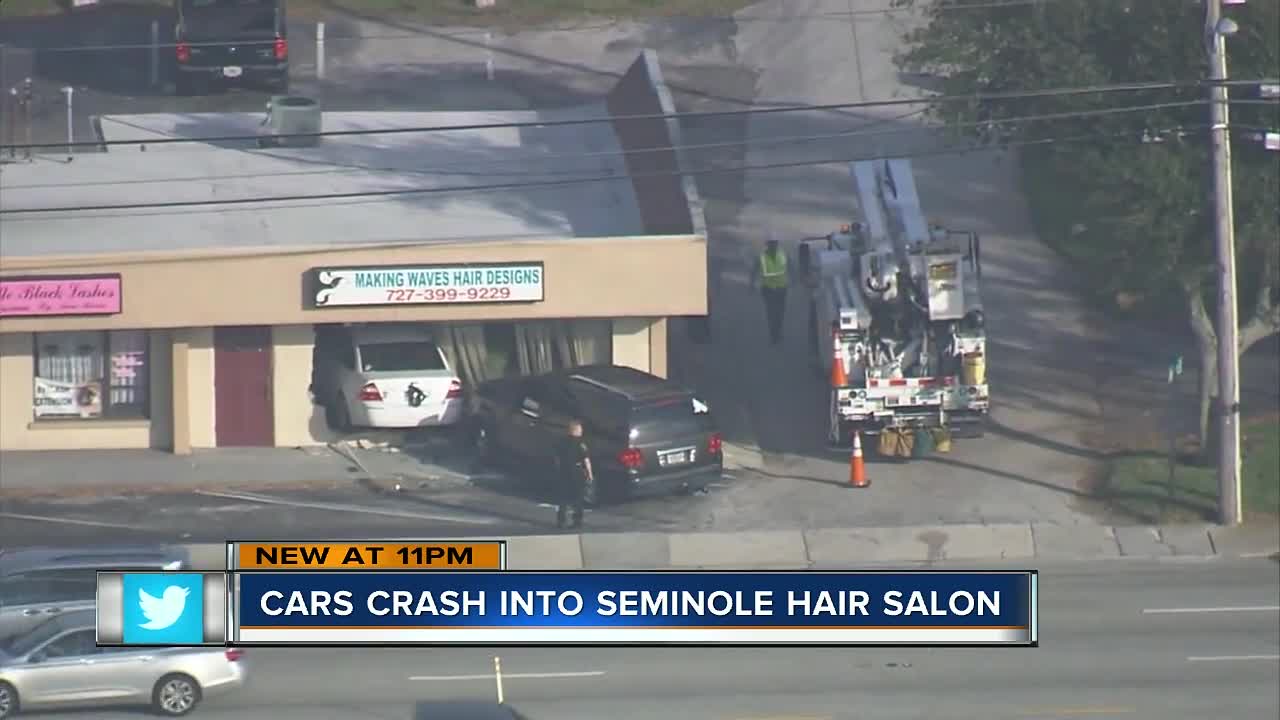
493,187
864,104
434,35
861,131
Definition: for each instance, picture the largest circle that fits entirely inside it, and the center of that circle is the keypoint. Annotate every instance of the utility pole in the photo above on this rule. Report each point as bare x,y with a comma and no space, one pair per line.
1217,29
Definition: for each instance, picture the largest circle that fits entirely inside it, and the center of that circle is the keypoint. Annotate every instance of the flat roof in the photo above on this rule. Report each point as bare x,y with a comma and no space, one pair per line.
345,164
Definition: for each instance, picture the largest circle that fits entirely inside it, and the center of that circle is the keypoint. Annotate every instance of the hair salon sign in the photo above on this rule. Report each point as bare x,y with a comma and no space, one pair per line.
429,284
48,296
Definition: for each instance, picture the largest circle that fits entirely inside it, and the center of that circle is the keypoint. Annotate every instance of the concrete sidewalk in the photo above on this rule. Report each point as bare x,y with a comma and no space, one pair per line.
66,473
841,548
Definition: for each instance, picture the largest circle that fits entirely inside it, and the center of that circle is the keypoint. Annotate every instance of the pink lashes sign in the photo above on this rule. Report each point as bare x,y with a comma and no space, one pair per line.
49,296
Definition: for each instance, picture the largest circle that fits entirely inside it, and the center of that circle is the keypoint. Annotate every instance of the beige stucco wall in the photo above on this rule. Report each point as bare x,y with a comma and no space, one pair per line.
192,397
631,342
19,431
298,421
641,343
658,346
596,277
200,386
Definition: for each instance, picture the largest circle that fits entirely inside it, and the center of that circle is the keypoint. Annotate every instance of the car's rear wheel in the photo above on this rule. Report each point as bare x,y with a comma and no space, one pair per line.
175,695
8,700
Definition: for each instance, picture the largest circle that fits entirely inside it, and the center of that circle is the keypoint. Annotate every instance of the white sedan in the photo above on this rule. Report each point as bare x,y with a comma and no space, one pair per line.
384,376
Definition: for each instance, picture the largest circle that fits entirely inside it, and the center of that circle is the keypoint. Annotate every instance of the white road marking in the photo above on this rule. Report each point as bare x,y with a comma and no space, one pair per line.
1186,611
70,521
1230,658
510,676
345,508
1267,554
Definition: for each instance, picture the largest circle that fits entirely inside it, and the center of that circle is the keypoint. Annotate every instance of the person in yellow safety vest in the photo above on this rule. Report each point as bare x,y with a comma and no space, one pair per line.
772,276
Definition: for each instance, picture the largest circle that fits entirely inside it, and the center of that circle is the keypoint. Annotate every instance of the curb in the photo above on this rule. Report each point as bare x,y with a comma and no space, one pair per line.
737,457
844,548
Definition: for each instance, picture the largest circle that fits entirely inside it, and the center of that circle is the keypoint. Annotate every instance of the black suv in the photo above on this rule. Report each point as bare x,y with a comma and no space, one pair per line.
230,42
647,434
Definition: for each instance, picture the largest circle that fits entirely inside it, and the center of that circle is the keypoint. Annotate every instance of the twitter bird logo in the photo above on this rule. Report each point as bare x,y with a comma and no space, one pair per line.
162,612
168,610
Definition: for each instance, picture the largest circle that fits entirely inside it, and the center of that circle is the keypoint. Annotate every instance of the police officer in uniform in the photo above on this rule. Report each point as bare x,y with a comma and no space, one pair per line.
772,276
575,472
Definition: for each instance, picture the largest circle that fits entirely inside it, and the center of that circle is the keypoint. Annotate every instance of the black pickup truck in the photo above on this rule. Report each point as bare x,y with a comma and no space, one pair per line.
647,435
231,42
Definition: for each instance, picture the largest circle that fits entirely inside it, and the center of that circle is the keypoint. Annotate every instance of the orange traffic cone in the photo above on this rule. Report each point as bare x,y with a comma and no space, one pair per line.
857,470
838,377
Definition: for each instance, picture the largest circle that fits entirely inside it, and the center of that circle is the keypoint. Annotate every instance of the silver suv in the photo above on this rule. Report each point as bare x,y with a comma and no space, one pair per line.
37,583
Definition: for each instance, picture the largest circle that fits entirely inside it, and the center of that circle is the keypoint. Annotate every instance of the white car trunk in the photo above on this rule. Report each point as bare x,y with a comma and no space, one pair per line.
396,387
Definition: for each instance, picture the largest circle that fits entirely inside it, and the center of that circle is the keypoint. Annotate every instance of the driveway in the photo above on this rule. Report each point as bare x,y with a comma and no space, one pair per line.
1032,459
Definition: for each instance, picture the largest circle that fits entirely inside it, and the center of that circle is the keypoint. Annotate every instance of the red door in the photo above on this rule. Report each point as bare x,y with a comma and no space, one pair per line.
242,387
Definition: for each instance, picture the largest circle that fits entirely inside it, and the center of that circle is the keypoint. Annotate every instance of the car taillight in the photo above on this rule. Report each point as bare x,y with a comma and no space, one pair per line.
183,51
233,654
455,390
631,458
282,48
370,393
713,444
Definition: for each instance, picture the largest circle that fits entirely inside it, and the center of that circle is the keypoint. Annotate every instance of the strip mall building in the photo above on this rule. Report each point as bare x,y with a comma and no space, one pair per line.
193,326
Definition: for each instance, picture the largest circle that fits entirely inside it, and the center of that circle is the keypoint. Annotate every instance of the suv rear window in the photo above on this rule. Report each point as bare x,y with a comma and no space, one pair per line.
677,411
401,356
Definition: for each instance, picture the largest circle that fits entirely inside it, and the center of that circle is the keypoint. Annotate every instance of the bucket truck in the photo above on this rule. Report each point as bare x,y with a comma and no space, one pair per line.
896,314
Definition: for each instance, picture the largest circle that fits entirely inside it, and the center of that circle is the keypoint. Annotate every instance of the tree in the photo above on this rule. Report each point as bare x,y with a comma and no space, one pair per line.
1136,185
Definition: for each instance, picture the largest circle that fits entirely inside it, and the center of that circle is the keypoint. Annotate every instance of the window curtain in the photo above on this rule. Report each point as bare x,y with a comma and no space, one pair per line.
464,345
535,347
75,358
585,341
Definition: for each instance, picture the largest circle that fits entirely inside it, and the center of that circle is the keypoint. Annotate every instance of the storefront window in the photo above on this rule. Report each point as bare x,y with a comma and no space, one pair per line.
92,374
486,351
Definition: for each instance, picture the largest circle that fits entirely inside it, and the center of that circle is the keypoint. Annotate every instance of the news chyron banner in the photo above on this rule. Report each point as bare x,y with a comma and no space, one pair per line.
460,593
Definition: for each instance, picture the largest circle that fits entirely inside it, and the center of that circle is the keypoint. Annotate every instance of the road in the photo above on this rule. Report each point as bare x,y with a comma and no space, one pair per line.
1103,654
